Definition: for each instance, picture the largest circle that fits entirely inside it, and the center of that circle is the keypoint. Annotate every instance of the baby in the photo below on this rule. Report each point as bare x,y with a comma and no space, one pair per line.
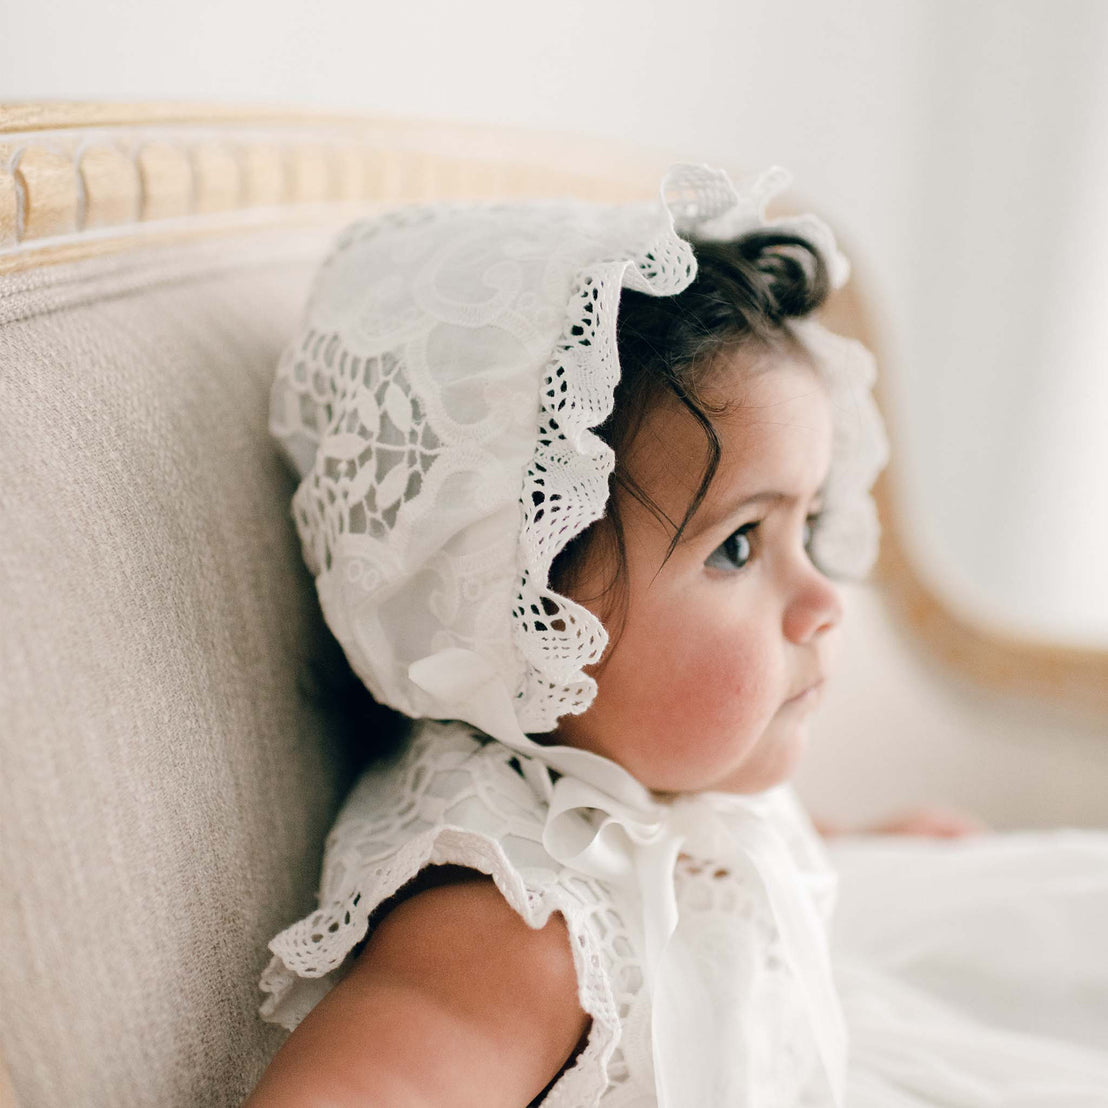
578,481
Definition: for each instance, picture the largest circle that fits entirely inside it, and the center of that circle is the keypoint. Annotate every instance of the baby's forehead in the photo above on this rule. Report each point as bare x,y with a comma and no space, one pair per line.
771,426
739,376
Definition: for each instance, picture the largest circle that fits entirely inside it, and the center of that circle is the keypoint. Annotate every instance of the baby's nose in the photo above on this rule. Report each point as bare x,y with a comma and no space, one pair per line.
815,609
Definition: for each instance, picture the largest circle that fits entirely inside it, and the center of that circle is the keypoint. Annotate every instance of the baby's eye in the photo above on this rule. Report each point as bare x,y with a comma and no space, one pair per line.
734,552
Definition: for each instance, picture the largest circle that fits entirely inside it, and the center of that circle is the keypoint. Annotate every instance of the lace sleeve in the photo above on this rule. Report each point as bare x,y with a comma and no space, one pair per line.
451,800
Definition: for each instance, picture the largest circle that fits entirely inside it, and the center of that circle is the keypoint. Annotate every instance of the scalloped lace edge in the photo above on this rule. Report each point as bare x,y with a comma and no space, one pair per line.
546,686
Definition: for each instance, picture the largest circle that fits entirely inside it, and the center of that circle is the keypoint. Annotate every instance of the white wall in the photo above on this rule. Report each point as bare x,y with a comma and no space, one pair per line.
1004,346
961,147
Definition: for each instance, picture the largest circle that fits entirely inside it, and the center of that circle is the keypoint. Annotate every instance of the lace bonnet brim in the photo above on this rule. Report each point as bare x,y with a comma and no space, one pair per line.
439,401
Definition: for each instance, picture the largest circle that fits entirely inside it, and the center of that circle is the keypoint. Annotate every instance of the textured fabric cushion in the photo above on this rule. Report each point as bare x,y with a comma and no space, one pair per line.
165,781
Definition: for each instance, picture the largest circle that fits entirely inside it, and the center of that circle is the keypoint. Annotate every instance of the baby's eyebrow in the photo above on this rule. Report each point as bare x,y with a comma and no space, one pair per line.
726,511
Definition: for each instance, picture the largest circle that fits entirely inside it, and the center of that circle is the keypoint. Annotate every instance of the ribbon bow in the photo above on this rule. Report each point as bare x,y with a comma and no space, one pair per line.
591,832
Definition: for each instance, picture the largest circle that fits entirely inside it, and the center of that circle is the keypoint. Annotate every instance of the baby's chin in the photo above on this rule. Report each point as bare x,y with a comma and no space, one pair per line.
757,774
731,763
772,761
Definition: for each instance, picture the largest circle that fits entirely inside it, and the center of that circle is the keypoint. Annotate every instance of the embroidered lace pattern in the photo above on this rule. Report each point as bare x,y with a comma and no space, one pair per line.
399,438
454,798
439,405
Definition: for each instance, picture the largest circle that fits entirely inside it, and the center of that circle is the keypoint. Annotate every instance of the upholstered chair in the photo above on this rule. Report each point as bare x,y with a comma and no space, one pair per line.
177,727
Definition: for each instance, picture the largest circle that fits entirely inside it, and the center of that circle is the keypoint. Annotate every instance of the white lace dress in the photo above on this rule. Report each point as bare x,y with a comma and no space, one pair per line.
956,994
458,798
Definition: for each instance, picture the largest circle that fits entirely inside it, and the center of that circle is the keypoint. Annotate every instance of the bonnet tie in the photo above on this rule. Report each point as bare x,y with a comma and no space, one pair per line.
589,831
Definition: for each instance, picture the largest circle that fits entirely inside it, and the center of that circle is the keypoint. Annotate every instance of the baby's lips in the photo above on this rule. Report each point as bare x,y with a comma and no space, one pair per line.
809,692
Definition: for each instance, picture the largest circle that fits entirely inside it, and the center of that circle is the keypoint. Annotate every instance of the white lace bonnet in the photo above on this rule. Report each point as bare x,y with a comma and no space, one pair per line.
438,403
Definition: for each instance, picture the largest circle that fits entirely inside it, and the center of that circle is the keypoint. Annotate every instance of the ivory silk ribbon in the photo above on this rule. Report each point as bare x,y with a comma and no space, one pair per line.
603,823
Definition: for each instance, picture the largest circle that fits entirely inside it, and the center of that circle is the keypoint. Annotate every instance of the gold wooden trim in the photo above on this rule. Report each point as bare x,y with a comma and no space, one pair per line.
165,181
49,189
216,178
263,173
64,114
66,169
9,205
112,188
139,236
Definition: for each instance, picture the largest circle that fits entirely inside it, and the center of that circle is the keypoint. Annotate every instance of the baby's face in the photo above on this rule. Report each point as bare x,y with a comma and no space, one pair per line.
712,681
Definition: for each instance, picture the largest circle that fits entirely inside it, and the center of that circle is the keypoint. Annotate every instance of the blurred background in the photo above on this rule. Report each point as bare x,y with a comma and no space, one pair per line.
960,148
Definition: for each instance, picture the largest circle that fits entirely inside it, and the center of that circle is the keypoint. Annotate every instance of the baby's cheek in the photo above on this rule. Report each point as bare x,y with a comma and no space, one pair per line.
719,693
729,658
742,706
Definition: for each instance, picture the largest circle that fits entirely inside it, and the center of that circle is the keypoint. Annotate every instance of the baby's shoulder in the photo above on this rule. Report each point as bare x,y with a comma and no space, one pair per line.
456,966
467,925
460,806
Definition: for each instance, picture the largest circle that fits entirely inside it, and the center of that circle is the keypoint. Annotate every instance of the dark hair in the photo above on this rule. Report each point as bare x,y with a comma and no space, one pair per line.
364,730
743,296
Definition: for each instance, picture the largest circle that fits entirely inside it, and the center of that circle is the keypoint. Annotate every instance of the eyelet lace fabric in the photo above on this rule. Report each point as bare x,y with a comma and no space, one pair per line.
439,404
462,464
458,798
845,544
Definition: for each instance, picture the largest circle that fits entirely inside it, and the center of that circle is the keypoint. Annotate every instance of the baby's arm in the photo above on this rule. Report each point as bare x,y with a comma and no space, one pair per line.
454,1001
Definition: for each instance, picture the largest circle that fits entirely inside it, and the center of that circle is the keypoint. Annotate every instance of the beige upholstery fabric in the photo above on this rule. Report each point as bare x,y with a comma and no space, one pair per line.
165,783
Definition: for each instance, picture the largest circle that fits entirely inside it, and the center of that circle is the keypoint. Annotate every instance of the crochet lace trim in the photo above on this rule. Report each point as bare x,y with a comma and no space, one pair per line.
566,486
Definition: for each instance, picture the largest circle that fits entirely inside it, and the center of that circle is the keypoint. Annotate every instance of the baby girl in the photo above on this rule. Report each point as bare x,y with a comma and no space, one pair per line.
578,482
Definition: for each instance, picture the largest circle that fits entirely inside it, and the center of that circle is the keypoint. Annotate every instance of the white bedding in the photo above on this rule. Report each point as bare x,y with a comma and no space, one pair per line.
974,972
